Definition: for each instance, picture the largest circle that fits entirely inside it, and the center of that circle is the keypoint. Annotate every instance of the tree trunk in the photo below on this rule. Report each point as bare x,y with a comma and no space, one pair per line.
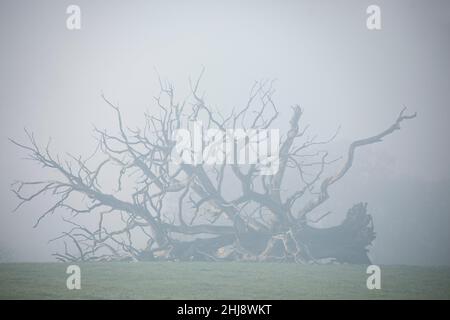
345,243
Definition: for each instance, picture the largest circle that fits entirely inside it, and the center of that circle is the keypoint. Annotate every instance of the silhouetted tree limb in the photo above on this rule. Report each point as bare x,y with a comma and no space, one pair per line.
186,211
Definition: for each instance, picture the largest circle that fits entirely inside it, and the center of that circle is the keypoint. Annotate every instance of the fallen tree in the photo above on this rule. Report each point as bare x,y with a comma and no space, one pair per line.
187,211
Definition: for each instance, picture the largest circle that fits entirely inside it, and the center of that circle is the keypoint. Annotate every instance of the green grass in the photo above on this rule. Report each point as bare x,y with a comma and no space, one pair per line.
202,280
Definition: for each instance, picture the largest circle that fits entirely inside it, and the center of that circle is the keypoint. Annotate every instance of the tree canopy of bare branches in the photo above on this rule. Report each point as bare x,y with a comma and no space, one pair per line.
187,212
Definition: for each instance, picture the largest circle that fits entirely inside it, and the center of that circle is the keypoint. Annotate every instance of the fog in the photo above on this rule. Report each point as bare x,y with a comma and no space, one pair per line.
322,56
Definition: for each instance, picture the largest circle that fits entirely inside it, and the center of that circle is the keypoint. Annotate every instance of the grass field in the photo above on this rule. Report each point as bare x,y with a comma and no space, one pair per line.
201,280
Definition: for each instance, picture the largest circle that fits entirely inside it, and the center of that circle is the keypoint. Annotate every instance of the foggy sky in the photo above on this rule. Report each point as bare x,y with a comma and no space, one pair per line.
321,53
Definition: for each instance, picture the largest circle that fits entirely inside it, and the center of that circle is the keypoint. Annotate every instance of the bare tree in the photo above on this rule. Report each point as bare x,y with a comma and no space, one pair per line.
185,211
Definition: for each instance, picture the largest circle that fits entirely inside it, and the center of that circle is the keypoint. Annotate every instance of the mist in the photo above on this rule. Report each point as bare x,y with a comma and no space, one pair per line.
321,55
